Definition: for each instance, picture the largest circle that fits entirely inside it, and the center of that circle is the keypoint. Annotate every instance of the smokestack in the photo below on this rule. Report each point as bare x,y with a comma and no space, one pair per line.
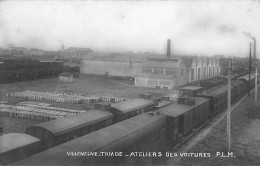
169,48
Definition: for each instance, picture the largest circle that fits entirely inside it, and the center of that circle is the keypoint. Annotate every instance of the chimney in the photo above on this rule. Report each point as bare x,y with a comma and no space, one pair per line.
169,48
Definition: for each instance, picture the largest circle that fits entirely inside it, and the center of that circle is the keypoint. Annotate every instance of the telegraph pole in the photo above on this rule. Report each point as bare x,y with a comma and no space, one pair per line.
229,105
249,69
256,66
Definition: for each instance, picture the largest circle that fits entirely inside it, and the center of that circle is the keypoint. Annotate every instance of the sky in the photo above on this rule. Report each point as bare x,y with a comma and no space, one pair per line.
195,27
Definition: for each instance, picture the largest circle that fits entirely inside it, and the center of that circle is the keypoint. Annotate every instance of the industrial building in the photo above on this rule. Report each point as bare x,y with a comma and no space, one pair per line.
75,52
200,67
162,73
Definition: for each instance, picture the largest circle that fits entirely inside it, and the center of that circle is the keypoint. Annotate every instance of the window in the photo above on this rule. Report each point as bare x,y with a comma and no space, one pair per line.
159,71
170,71
182,71
198,73
192,74
147,70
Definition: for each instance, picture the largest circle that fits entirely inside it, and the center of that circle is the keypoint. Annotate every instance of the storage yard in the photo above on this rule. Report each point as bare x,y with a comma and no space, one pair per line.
98,88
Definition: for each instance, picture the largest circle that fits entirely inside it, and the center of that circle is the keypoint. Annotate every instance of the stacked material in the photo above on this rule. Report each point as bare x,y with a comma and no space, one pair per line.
37,111
64,97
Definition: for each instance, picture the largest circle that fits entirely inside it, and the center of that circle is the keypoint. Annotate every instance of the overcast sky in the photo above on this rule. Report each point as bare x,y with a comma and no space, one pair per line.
201,27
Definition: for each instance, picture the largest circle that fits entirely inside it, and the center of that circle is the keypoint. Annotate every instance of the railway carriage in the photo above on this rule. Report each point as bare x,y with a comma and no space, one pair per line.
218,98
16,146
183,118
127,136
61,130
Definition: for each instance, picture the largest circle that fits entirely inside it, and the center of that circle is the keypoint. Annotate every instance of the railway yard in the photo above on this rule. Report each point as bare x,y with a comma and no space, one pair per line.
127,119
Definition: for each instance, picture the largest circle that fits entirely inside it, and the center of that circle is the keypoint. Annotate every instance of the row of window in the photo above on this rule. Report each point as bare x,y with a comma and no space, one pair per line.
160,71
211,72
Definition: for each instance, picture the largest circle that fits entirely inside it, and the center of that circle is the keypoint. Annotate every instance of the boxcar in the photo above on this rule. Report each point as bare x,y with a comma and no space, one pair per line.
16,146
127,136
218,98
61,130
183,118
130,108
239,91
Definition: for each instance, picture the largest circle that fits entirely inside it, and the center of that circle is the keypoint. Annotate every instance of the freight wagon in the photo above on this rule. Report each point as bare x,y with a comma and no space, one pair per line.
182,118
127,136
61,130
16,146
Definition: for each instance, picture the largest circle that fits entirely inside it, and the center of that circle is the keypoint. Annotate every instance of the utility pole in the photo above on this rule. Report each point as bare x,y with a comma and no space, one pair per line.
229,106
249,70
256,66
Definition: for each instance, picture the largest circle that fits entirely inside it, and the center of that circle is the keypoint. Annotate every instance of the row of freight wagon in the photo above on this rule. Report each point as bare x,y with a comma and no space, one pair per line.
131,131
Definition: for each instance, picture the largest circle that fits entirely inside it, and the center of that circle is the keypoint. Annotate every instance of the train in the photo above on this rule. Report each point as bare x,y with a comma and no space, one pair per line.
21,69
170,123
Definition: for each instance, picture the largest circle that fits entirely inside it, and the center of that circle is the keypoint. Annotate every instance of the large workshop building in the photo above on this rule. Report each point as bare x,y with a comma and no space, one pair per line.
200,67
162,72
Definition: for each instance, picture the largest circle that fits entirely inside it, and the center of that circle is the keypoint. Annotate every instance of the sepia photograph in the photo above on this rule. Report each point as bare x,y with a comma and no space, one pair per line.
129,83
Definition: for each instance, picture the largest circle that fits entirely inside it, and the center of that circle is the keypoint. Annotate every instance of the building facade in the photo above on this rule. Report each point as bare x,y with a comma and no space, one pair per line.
201,67
166,73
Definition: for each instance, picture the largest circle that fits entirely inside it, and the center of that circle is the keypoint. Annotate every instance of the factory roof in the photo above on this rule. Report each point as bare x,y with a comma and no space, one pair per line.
176,109
70,123
131,104
13,141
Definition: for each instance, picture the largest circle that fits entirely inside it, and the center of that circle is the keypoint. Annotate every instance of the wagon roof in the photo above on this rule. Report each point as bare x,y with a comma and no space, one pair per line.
191,88
108,139
176,109
216,91
131,104
62,125
12,141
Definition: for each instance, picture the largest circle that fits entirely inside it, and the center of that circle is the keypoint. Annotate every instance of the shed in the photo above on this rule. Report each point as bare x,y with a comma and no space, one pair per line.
63,129
66,77
16,146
